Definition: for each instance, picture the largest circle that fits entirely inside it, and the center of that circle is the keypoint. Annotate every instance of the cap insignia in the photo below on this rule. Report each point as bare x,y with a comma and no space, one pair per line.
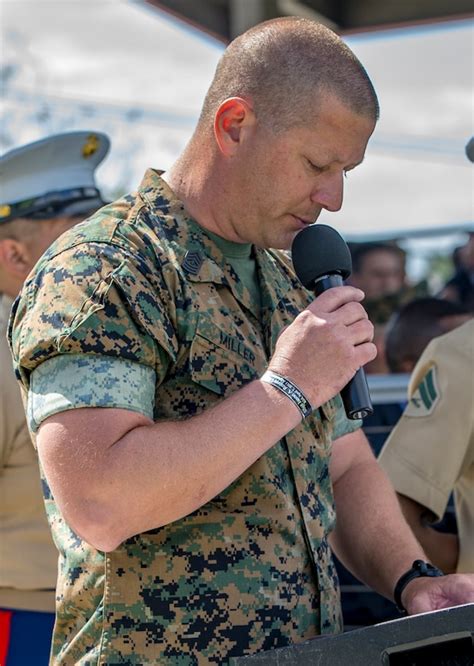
91,145
5,210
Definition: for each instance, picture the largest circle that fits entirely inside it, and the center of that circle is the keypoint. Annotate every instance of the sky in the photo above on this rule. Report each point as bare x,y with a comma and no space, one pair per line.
141,75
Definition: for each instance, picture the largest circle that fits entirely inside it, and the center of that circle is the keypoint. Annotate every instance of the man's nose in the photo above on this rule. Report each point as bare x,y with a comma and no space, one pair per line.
329,192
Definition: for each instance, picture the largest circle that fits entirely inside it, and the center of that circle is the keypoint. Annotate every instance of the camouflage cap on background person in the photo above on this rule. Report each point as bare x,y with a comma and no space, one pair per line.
52,176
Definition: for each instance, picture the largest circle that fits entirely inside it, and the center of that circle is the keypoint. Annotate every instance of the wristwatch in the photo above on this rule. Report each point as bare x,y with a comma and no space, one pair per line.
419,569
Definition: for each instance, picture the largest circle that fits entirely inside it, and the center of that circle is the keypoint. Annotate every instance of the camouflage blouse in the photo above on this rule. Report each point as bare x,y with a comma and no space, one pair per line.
137,308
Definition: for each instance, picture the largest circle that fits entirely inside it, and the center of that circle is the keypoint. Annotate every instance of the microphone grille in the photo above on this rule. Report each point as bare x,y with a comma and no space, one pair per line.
320,250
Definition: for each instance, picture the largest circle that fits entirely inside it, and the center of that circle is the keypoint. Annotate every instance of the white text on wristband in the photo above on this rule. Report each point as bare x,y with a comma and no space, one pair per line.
289,389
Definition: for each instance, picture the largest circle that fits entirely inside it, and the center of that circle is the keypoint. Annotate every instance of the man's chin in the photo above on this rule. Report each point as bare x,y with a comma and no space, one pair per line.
288,241
279,245
284,242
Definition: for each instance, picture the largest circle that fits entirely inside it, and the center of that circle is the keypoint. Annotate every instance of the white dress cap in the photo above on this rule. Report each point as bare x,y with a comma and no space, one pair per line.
56,163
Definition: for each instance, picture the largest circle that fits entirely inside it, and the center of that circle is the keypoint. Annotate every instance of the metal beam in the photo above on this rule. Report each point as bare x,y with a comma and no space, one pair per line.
244,14
226,19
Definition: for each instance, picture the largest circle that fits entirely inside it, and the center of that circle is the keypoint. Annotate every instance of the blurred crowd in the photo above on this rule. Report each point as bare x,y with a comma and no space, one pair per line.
407,316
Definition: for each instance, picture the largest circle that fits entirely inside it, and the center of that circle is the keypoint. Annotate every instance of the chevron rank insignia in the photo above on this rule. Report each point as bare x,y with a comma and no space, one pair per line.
192,262
425,397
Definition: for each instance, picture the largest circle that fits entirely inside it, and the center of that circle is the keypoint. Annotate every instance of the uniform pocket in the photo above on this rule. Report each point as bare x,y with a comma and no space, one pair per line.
219,360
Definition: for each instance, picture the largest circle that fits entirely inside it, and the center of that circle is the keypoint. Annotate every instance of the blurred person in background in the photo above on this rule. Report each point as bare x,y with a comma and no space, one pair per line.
408,333
45,188
416,323
379,270
430,452
460,288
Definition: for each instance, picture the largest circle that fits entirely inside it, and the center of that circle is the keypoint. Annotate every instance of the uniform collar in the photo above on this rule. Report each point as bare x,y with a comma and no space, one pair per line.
198,255
202,261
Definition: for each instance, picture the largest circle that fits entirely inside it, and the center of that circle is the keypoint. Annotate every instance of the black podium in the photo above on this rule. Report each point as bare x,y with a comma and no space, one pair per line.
441,638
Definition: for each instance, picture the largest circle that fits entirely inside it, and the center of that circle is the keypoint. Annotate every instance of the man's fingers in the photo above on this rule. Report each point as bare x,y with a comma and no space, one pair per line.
350,313
360,332
365,353
334,298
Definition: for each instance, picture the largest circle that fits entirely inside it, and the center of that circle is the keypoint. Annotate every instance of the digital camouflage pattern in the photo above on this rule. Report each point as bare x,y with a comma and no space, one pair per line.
249,571
89,381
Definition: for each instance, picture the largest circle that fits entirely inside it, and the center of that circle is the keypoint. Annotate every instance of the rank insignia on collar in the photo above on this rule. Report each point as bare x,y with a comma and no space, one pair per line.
192,262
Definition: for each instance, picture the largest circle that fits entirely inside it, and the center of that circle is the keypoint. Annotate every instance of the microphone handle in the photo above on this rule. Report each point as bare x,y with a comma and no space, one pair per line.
355,395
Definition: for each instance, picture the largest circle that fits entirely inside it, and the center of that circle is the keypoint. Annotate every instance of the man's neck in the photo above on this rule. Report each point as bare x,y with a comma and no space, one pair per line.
197,183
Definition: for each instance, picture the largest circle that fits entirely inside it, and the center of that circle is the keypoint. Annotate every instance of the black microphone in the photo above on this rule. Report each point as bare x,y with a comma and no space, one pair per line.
322,259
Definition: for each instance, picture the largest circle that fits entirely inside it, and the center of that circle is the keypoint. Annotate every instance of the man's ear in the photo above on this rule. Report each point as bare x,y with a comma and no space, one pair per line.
14,258
232,117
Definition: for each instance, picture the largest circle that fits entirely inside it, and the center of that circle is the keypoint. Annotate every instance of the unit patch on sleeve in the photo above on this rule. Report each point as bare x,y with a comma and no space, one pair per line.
425,397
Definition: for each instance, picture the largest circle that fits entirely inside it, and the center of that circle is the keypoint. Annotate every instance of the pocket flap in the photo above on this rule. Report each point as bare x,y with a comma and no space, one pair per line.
219,360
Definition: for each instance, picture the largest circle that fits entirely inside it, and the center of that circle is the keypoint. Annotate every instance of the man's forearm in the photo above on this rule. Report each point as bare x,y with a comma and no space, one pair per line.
372,538
151,474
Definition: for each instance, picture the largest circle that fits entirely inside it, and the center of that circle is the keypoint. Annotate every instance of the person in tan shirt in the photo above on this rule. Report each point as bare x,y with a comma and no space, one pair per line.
46,187
430,452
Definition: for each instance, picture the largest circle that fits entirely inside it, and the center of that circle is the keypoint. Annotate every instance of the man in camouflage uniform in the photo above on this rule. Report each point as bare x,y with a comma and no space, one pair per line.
191,501
45,188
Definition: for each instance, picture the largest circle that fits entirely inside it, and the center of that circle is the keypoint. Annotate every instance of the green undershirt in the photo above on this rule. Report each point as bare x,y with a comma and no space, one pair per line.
240,257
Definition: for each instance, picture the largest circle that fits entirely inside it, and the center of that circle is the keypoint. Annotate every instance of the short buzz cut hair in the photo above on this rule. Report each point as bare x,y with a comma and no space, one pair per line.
280,64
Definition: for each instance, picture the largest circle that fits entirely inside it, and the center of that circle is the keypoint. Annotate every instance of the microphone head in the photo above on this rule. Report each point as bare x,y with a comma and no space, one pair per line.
320,250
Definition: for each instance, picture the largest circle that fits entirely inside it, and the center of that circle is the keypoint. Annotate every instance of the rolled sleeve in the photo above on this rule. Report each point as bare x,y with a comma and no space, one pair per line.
411,480
72,381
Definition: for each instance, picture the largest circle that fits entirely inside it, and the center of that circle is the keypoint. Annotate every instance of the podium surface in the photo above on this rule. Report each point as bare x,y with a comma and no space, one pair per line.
444,638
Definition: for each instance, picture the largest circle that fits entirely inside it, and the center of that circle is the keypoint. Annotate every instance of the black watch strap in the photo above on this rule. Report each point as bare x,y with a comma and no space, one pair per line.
419,569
